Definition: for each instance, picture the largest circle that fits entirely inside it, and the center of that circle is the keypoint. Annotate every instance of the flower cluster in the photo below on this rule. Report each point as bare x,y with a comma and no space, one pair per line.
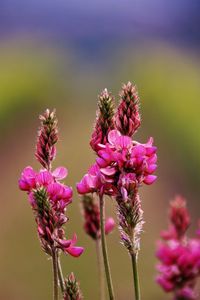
179,255
91,215
47,195
122,165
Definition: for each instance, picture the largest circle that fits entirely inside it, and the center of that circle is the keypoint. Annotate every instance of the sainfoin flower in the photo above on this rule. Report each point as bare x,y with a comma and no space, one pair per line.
122,166
179,256
47,194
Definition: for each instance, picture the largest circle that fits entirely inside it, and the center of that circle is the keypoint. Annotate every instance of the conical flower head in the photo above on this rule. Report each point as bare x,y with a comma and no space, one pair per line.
47,138
72,289
104,121
127,116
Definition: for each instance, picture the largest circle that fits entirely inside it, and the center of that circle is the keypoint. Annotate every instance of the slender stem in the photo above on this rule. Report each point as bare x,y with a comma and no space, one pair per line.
60,276
100,269
135,276
104,248
55,274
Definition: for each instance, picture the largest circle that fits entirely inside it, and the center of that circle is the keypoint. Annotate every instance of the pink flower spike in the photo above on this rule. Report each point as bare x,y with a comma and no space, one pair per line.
60,173
149,179
109,225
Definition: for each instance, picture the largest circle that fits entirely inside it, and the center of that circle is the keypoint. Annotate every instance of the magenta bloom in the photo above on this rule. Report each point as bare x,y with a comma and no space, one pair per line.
116,157
179,256
48,196
68,246
27,180
122,154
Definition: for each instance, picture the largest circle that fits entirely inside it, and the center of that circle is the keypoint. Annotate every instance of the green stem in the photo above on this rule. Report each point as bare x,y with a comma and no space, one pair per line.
104,248
135,276
60,276
100,269
55,274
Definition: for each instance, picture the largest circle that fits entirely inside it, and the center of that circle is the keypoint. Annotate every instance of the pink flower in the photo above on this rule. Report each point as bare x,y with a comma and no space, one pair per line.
59,193
43,178
122,154
68,246
27,180
179,256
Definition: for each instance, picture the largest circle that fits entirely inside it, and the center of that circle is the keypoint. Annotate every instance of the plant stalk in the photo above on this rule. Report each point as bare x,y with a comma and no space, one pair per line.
104,248
100,269
55,273
135,276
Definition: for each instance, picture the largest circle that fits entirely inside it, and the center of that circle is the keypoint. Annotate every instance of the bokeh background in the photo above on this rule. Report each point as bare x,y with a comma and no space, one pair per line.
62,54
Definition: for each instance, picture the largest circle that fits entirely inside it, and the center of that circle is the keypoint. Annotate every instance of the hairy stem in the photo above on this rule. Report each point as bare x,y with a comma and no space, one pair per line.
104,248
100,269
55,274
135,276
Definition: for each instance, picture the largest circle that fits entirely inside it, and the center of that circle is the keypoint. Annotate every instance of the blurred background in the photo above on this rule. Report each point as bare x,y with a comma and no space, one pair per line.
62,54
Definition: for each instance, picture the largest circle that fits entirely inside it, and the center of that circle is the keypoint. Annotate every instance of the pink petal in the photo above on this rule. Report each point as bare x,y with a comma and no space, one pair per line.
109,225
149,179
125,142
64,243
60,173
75,251
23,185
44,178
151,168
101,162
74,239
113,135
108,171
82,188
